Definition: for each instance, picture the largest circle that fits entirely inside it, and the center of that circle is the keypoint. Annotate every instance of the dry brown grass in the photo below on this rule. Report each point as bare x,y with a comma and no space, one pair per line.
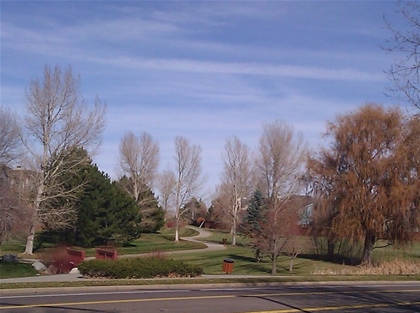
393,267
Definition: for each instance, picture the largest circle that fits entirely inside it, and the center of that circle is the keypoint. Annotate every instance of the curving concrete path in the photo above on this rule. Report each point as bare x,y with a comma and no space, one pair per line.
211,246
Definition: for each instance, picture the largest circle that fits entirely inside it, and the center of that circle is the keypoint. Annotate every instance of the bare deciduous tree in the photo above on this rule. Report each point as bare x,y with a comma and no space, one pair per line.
10,134
405,42
139,160
188,176
236,178
279,169
219,211
58,123
371,172
11,210
166,185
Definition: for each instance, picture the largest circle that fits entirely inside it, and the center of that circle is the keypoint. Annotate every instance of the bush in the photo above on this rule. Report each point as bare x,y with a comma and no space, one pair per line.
57,260
138,268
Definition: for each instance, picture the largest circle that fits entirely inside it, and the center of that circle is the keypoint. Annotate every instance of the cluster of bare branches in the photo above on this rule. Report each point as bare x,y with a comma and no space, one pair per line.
139,161
405,44
276,170
279,171
188,176
11,209
57,124
236,185
10,135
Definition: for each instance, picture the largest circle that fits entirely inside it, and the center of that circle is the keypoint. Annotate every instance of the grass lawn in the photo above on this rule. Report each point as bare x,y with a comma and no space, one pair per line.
212,261
218,236
245,263
410,252
147,243
11,270
154,243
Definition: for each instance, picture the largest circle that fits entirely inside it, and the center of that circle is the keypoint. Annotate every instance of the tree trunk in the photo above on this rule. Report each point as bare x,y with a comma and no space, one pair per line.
274,258
234,232
291,264
330,251
368,248
177,229
273,266
29,249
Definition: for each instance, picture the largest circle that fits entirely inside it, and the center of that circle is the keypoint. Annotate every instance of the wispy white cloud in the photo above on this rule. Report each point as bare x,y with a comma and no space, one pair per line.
308,72
64,46
202,70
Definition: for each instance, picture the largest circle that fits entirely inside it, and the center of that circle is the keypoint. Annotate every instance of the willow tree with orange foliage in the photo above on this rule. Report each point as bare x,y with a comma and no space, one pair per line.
368,180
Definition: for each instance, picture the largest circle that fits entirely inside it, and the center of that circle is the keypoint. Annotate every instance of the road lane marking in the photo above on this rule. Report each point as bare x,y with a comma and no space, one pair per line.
291,293
25,306
343,307
18,306
329,292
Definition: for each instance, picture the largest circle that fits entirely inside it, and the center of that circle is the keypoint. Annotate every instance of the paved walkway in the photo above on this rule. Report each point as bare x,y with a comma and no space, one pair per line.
211,246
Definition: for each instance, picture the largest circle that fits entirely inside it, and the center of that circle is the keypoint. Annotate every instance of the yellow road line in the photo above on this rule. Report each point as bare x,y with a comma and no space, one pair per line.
230,296
112,301
328,292
343,307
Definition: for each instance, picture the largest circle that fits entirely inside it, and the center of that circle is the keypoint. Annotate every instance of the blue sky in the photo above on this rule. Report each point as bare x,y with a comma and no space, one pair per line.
205,70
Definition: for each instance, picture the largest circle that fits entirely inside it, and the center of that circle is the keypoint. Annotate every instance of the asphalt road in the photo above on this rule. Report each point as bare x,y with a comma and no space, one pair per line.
372,298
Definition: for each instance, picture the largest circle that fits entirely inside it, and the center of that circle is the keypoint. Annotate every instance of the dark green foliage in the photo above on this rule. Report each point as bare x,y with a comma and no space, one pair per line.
57,210
255,214
138,268
153,215
105,213
195,210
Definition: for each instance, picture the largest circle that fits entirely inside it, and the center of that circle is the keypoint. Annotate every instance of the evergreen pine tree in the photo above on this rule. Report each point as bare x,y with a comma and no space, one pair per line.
255,215
105,213
153,215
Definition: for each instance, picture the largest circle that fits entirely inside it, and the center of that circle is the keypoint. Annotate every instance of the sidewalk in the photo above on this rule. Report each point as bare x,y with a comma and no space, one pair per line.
78,277
44,278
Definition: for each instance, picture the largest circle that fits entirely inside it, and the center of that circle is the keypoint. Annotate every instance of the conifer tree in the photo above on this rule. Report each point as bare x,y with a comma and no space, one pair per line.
105,214
153,215
253,220
255,214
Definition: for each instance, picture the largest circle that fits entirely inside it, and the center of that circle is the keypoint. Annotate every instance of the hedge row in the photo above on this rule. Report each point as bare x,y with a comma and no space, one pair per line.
138,268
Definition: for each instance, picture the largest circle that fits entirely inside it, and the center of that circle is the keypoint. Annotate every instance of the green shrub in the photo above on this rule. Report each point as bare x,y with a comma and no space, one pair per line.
138,268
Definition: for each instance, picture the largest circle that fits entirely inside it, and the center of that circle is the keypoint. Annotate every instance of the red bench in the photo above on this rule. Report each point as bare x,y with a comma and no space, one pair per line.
76,256
106,254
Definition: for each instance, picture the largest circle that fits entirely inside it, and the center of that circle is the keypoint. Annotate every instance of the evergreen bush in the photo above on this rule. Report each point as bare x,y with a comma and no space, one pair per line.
148,267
